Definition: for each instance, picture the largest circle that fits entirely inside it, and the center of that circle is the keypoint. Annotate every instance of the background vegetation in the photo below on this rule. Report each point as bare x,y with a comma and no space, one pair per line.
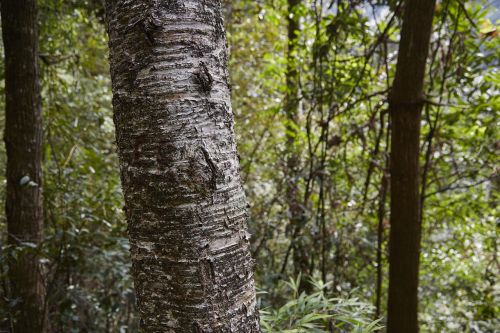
346,59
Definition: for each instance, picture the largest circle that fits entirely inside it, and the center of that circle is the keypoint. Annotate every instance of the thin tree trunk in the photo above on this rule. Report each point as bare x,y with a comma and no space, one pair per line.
291,107
185,206
406,103
384,184
23,141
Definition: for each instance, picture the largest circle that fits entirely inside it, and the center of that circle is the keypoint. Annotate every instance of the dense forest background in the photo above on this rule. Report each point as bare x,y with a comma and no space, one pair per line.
344,62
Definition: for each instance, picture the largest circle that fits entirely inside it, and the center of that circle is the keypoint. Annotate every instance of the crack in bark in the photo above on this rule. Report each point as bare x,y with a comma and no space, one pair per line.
204,79
212,166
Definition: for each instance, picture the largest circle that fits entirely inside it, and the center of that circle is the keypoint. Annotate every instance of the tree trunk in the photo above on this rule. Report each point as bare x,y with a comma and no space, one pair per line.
406,103
381,210
291,107
23,141
185,206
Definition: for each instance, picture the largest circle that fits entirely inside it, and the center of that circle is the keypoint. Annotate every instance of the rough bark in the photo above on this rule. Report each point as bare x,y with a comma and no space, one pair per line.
23,141
406,103
185,206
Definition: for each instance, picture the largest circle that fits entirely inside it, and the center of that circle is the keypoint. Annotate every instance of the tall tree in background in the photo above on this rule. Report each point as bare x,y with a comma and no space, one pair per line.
185,205
291,107
406,101
23,141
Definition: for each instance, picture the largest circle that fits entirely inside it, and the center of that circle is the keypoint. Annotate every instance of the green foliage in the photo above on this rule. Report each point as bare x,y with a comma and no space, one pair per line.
346,59
345,56
86,246
85,252
317,312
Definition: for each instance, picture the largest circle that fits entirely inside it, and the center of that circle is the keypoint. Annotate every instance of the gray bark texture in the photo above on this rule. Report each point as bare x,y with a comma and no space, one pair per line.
185,206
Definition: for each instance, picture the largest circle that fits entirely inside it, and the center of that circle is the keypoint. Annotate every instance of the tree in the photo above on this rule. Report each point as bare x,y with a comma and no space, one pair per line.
23,141
405,104
185,206
291,106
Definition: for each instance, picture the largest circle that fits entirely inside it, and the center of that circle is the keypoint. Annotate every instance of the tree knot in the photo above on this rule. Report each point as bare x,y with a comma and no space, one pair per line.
204,79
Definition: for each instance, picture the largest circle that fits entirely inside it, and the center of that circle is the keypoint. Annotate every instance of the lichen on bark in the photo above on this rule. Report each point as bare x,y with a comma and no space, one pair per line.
185,205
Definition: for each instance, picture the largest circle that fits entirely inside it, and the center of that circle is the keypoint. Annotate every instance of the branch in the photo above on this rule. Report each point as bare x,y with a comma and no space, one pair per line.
450,187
